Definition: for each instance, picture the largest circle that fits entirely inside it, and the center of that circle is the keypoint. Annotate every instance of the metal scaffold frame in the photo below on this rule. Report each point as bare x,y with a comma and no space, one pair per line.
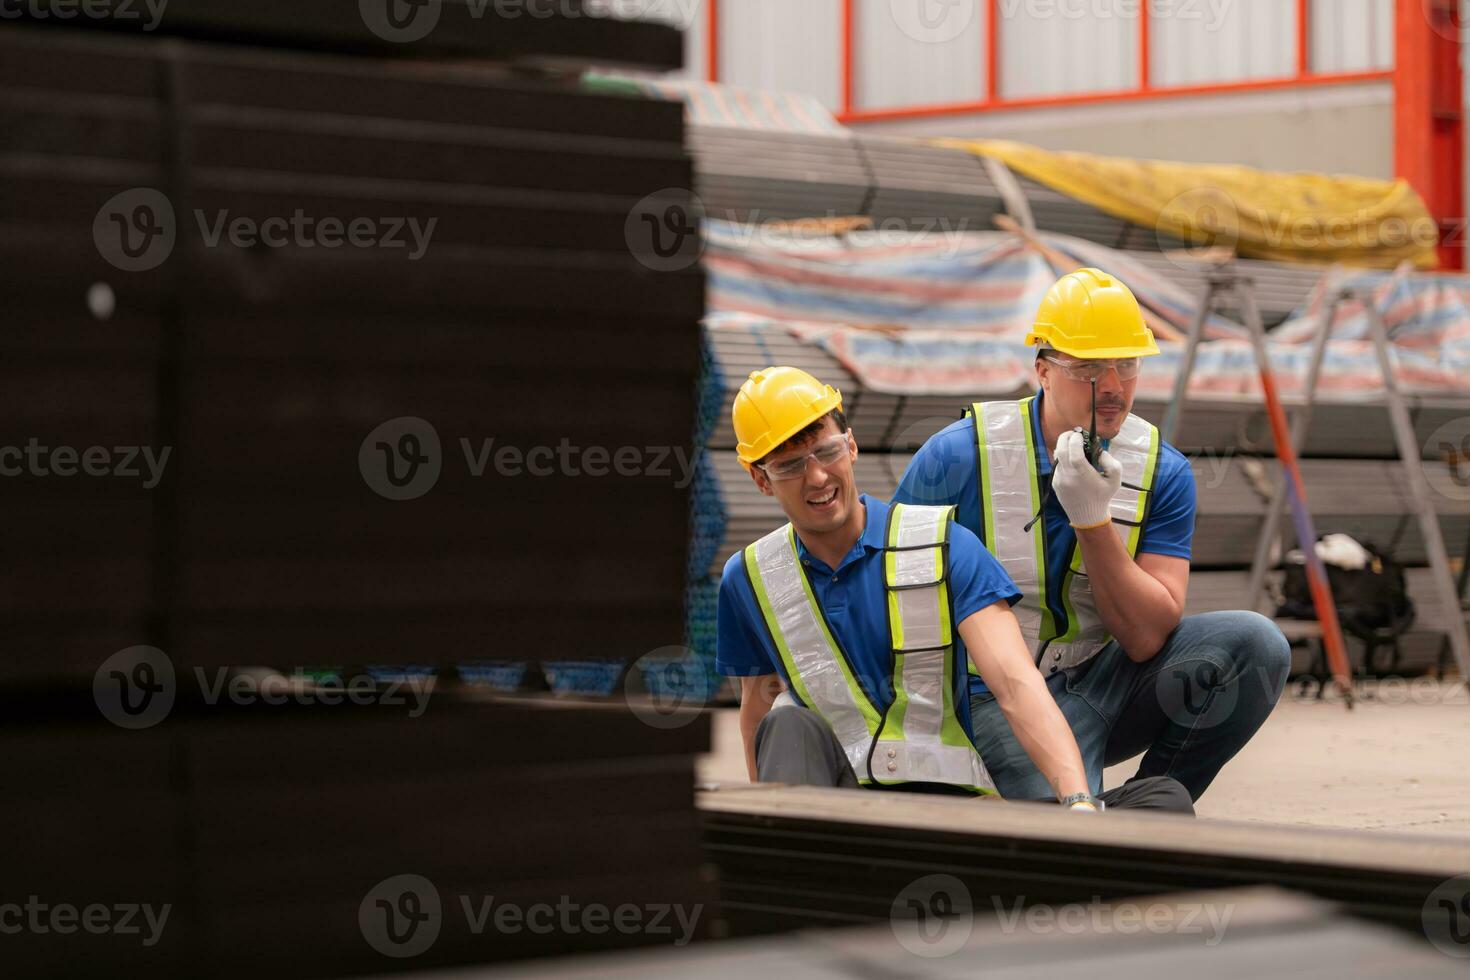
1289,487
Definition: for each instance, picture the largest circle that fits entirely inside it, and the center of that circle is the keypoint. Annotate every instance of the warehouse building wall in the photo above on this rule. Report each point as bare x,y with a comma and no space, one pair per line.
1338,129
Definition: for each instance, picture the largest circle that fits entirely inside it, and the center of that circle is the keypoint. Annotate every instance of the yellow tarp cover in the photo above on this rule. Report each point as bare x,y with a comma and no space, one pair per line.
1286,217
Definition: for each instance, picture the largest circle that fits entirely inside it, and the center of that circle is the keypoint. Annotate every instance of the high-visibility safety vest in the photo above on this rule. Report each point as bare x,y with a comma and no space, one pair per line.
1011,495
915,736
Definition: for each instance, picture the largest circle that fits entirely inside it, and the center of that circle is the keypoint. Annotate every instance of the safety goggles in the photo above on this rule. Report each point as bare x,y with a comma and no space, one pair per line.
1096,370
826,453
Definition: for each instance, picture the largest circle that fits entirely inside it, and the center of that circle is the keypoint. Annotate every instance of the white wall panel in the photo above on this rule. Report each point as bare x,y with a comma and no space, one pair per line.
1061,47
1351,35
1196,42
786,45
910,61
694,21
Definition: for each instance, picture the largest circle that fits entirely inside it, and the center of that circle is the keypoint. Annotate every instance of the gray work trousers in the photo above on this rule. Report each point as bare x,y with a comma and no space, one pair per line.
795,745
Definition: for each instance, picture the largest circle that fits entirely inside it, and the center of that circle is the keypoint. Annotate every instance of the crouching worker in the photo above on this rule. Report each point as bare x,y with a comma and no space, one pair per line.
850,627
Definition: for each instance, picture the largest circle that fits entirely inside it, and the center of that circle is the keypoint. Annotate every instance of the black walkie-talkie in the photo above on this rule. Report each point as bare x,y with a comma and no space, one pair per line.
1091,444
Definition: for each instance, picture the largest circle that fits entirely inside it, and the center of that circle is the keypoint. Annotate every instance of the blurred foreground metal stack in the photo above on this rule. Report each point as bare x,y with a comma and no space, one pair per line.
283,382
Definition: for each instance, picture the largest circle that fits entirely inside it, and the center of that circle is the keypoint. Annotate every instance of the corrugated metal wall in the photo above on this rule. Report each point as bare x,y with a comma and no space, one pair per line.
787,45
904,58
1065,47
1352,35
916,67
1198,43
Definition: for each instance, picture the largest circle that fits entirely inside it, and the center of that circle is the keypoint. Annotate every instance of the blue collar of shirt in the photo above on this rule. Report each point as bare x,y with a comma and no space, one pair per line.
871,540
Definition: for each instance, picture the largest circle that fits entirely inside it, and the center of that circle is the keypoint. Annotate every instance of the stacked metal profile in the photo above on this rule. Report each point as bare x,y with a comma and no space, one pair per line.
263,371
1214,935
800,856
754,175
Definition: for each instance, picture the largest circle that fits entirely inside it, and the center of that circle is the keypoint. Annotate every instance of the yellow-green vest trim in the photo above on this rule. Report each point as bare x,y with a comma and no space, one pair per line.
1010,495
917,737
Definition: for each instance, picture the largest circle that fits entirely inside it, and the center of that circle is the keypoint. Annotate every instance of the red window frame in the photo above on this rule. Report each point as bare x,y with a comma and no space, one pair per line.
995,101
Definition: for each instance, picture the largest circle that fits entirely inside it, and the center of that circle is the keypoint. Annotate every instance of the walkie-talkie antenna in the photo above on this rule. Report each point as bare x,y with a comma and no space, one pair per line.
1094,449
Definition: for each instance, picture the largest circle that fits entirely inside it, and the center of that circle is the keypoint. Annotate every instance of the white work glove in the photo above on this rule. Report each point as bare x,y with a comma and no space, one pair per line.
1084,492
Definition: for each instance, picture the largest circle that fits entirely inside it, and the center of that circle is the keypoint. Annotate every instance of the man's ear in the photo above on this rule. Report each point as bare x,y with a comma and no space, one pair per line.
852,449
762,482
1043,374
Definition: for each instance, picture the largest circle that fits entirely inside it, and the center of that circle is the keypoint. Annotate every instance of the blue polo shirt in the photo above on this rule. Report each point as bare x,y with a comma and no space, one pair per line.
853,599
946,471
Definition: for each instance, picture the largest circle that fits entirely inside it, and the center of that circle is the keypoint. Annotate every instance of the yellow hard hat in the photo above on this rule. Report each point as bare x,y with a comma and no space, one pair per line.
1087,314
775,404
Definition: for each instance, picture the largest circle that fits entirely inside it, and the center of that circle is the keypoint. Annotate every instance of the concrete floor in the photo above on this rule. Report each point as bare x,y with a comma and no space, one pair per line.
1399,762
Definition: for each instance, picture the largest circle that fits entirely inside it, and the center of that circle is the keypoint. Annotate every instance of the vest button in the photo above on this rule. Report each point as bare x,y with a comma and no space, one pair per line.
893,753
1053,670
1057,655
892,767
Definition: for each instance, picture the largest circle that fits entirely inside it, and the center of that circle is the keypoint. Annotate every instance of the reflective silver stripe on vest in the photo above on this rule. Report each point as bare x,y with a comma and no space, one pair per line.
817,670
1008,473
1010,505
921,739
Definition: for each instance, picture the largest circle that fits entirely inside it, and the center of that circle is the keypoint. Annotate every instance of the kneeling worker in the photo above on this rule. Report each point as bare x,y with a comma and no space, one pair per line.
1097,531
867,614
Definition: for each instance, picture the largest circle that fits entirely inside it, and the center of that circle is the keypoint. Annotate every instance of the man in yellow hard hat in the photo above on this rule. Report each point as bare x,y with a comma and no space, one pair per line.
1093,517
866,615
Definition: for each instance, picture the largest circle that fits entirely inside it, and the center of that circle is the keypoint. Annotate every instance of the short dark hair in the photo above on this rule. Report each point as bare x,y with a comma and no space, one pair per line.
809,433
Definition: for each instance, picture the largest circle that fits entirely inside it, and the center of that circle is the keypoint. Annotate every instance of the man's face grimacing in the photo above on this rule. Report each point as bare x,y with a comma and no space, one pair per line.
822,498
1064,379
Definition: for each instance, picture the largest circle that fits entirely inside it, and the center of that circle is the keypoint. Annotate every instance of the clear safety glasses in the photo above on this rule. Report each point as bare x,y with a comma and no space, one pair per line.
1090,370
826,452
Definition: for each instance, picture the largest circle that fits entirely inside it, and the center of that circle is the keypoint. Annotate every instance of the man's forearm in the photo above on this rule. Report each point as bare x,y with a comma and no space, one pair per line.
1042,730
1135,607
751,715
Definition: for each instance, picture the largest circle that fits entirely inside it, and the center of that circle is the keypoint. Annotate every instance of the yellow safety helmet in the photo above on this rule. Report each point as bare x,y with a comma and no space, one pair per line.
1089,314
775,404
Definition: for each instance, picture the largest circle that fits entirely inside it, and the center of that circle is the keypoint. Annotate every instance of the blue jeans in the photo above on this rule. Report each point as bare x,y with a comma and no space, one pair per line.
1189,709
